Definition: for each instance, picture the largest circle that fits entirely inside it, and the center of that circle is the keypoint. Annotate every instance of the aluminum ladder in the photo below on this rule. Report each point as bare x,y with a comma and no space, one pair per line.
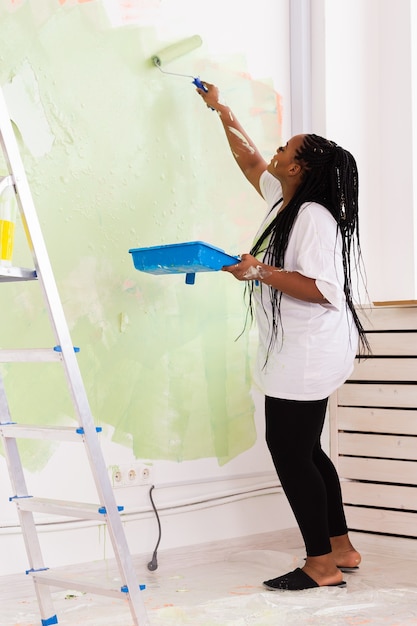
107,510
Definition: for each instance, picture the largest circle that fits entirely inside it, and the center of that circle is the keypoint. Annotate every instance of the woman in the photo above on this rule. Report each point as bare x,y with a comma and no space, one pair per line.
299,283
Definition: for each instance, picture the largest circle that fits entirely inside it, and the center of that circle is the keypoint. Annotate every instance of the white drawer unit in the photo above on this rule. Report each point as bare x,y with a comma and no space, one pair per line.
373,426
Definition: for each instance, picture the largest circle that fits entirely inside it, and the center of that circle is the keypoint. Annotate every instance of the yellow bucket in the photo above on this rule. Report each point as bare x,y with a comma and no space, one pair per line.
7,224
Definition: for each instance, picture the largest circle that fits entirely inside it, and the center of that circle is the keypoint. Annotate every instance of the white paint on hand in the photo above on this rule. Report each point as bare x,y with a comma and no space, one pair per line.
256,273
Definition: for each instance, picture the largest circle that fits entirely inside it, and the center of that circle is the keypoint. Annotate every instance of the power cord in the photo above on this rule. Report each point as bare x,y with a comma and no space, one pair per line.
153,564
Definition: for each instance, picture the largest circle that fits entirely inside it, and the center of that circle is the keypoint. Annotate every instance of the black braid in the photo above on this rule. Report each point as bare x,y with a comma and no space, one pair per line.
330,178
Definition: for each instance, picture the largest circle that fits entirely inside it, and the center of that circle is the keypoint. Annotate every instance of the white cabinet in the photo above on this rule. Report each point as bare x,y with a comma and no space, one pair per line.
373,427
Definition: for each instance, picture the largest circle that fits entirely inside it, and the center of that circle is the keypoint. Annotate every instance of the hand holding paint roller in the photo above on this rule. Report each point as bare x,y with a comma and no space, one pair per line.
212,97
177,50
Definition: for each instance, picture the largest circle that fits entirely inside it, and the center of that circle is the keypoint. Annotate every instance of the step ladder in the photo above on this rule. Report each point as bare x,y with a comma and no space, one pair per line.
86,433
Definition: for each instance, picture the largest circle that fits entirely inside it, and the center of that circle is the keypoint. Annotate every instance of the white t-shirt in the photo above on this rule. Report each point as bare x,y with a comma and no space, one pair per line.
315,352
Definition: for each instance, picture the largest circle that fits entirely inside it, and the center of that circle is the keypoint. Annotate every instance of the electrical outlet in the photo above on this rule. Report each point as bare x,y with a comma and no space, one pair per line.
135,474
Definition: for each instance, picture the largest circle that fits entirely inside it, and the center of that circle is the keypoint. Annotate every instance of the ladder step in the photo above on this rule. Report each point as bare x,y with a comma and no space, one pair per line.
15,274
53,579
54,433
29,355
79,510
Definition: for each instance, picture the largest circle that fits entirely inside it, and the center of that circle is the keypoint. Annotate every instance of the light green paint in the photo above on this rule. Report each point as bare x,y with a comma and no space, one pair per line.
123,156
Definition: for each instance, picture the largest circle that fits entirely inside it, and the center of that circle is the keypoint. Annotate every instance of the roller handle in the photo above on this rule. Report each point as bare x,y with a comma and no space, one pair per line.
197,82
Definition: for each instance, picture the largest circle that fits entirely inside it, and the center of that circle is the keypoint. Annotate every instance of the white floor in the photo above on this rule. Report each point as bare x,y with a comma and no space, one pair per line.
222,586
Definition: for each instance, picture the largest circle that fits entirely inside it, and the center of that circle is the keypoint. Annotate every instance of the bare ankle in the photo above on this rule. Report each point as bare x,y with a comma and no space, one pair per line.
344,553
341,542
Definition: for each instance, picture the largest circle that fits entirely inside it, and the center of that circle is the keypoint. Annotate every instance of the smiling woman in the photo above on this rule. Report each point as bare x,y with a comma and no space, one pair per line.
299,280
288,152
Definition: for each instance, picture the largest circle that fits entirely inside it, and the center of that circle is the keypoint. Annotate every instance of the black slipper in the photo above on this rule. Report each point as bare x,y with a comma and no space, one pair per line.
296,580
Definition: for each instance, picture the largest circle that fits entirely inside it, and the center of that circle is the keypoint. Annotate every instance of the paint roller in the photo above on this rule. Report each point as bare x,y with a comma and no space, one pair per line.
178,50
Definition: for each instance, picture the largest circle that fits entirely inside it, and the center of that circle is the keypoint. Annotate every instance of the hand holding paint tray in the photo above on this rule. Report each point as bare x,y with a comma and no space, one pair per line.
182,258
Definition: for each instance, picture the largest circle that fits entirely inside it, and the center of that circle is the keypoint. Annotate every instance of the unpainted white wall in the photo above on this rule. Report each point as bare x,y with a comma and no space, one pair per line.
364,65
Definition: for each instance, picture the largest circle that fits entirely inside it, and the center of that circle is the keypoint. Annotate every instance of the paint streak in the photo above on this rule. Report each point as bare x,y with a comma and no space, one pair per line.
26,110
73,2
131,12
243,139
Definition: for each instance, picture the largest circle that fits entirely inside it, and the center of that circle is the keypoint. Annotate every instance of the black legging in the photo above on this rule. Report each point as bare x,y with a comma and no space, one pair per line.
308,477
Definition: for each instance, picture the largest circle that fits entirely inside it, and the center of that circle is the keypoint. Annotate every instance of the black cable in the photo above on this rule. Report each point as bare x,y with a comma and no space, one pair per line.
153,564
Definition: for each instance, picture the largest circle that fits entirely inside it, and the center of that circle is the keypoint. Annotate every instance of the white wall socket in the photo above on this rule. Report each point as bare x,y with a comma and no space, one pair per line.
134,474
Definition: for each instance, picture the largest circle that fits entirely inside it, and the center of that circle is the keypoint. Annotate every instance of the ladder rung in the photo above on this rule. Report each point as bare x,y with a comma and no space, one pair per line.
48,577
14,274
79,510
54,433
29,355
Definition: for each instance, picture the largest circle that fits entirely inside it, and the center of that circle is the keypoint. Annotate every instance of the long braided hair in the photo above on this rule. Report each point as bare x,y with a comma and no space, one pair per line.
330,178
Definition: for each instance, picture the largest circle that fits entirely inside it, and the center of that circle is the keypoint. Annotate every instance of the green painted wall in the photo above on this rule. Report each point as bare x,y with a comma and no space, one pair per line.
119,155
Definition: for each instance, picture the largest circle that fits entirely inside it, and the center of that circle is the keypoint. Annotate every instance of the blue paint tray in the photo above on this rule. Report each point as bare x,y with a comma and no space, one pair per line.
179,258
